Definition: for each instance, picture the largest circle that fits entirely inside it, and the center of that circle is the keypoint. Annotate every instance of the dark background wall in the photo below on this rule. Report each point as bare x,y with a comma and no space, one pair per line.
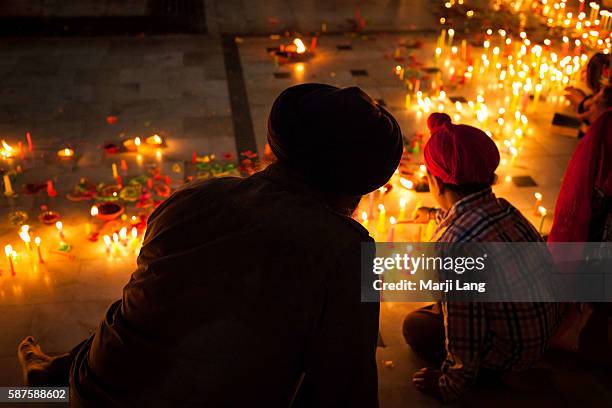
101,17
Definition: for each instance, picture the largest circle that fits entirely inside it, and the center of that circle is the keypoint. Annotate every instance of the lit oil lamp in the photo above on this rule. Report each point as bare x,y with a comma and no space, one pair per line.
296,51
155,140
65,153
132,145
7,151
109,211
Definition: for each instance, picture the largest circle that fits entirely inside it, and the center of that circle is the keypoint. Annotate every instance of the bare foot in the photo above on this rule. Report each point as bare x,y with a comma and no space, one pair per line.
38,368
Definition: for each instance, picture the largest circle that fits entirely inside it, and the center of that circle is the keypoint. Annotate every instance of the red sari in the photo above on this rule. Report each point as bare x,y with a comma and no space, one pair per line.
588,173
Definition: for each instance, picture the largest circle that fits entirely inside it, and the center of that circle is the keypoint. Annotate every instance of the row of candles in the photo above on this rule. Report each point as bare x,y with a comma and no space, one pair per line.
123,242
66,153
383,225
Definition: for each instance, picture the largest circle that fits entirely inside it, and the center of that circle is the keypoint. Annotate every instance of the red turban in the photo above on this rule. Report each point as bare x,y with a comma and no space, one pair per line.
459,154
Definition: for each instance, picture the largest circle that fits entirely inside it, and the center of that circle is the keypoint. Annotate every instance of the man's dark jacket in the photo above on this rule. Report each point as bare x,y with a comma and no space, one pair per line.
242,286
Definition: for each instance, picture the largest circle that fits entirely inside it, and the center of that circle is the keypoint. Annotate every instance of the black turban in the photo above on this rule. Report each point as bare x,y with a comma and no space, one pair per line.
339,139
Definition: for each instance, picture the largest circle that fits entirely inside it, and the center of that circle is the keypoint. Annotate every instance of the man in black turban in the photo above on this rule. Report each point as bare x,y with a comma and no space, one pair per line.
247,291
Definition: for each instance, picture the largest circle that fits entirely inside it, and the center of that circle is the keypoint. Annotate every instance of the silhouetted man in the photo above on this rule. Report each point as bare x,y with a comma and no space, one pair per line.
248,290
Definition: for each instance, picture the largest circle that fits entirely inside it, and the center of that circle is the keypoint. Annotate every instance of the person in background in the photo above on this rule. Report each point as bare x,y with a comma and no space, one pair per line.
460,340
583,213
596,76
248,291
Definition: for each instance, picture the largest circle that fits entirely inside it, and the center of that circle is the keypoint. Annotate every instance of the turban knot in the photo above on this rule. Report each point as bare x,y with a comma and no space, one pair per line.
459,154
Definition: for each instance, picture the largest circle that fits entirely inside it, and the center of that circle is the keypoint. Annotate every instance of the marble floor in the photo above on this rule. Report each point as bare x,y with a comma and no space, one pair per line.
87,92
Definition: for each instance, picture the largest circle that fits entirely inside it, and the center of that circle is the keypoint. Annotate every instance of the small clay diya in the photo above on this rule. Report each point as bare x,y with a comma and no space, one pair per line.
49,217
18,217
109,211
131,145
111,148
130,193
65,154
108,193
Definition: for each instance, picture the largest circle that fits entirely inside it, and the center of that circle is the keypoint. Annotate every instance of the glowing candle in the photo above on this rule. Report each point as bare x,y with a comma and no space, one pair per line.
451,34
536,96
24,234
543,213
8,187
123,235
10,254
391,235
364,219
408,184
107,243
402,205
538,202
380,224
60,229
137,141
94,211
37,243
115,242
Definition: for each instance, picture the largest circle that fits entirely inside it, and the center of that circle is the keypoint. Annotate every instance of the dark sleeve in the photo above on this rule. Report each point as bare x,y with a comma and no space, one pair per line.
340,366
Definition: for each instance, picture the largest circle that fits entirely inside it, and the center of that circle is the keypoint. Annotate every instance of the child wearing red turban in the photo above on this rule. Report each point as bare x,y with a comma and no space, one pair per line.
461,162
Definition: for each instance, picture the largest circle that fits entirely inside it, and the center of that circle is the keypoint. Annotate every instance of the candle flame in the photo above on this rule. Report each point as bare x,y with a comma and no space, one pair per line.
392,220
123,233
300,48
59,225
538,196
107,240
94,211
542,210
381,208
409,184
25,236
137,141
8,250
7,151
402,202
134,232
66,152
37,241
364,216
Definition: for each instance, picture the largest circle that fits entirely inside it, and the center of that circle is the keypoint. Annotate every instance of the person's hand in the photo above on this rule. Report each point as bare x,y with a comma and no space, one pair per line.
422,215
574,95
593,107
426,380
